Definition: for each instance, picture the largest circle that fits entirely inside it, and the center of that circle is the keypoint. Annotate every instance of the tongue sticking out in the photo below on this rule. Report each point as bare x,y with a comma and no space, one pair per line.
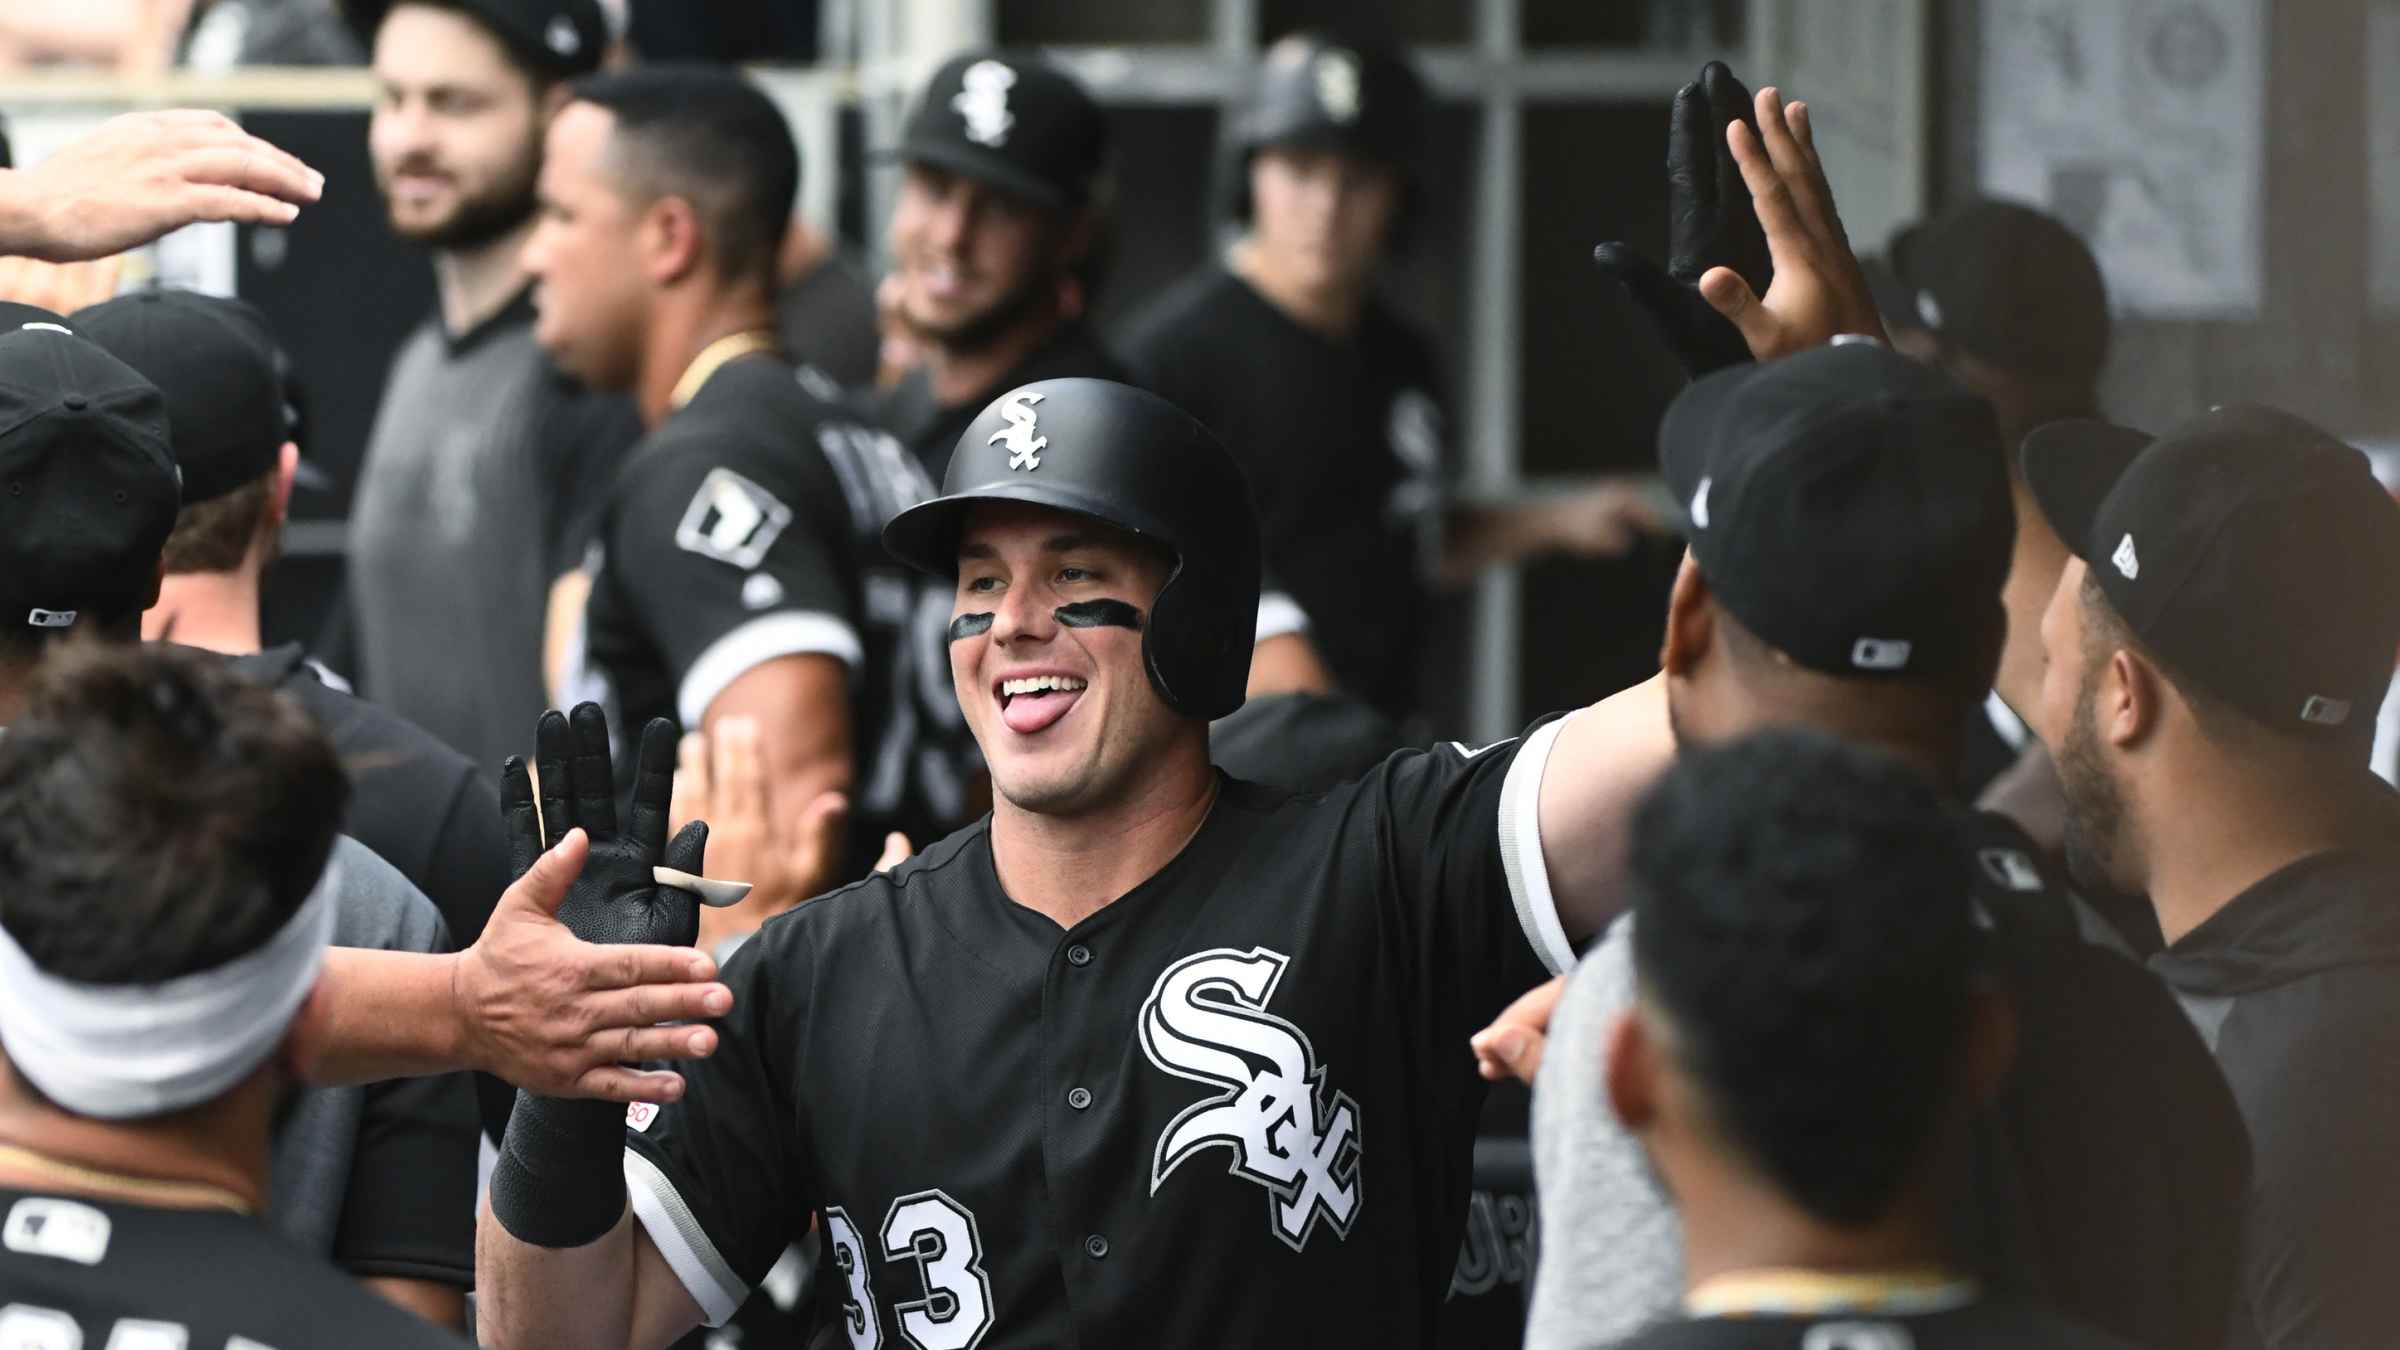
1026,714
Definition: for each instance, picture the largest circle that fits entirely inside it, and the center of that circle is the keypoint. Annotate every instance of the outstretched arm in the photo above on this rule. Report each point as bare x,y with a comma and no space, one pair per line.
139,176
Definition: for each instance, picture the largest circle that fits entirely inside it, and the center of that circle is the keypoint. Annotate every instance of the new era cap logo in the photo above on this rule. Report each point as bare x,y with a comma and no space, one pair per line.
982,100
1880,654
52,618
2325,712
2010,869
1700,505
2127,562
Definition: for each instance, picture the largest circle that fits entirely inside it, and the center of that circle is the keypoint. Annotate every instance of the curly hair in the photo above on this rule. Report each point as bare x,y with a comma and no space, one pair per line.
1803,925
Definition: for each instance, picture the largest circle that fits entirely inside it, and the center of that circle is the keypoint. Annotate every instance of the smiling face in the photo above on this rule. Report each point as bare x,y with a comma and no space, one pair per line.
1065,713
967,258
456,135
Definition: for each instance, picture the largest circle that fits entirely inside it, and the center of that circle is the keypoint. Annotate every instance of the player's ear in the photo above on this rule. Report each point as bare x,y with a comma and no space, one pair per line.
1691,622
1633,1068
671,243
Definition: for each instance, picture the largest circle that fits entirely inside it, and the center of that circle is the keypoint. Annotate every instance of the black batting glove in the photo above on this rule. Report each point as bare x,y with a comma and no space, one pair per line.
560,1181
1710,223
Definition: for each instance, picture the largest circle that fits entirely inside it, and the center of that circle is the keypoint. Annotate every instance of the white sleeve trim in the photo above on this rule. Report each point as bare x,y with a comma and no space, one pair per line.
1521,850
679,1238
755,643
1279,615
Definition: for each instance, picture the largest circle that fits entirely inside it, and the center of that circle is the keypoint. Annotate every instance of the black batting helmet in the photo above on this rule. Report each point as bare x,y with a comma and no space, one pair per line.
1133,460
1317,91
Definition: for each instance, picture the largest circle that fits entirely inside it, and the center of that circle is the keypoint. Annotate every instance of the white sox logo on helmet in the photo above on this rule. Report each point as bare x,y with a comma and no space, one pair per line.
1024,448
1206,1020
982,101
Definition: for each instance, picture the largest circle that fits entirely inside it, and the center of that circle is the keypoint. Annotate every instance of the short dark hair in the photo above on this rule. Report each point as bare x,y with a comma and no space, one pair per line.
2224,724
216,535
1802,925
712,138
159,814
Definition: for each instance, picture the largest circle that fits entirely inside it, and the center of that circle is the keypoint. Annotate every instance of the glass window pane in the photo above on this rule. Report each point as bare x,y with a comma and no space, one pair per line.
1070,23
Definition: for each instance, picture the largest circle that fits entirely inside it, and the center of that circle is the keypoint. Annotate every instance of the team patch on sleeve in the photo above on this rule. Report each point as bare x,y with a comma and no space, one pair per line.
732,520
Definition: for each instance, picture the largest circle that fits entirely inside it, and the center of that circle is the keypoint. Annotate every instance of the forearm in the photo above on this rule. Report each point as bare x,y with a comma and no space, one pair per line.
378,1014
1480,535
528,1296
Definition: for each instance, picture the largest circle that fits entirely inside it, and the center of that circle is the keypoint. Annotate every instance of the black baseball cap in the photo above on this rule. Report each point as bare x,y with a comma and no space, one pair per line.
1849,505
1018,123
216,363
555,39
88,488
2251,551
2001,281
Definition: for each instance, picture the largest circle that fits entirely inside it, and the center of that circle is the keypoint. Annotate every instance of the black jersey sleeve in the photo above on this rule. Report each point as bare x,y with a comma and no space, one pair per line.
1463,845
731,561
721,1180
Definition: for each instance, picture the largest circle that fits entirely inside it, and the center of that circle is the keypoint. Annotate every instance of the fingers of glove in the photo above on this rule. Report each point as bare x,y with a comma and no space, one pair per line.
1692,188
688,850
1650,287
653,787
595,780
552,754
517,816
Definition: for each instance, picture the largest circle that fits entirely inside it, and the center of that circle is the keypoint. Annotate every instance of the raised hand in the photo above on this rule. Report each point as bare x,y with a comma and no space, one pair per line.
1710,223
1818,290
617,897
139,176
787,857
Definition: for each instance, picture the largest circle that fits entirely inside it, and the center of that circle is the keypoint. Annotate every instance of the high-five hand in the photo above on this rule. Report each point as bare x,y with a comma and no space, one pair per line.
143,174
1818,290
1710,224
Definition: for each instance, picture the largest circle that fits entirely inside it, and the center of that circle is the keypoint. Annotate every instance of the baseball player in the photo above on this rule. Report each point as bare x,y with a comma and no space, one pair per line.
1329,396
738,570
1139,1014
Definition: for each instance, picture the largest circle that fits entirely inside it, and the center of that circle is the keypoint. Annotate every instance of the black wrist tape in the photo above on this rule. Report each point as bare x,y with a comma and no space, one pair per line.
560,1181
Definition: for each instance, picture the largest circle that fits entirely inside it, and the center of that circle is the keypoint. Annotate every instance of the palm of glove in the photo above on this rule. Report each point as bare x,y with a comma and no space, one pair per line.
1710,223
617,898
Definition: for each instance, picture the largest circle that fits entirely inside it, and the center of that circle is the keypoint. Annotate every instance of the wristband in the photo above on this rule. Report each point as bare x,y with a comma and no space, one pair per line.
560,1181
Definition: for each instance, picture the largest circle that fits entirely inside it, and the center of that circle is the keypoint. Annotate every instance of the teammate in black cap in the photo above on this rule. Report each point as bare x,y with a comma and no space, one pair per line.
739,571
2012,305
1328,396
2217,650
1809,1113
1004,173
1149,1056
485,467
421,806
1850,528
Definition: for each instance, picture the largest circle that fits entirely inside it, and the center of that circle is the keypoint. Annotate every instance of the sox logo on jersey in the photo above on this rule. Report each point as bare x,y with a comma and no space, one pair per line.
1206,1020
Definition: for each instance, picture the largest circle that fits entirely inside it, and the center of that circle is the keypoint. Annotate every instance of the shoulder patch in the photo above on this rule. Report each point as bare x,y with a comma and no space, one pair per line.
732,520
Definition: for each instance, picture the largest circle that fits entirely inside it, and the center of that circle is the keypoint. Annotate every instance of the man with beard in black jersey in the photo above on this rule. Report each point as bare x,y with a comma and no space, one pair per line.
1003,163
736,570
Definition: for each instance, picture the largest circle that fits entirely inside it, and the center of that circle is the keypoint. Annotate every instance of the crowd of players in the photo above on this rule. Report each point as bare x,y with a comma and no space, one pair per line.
998,883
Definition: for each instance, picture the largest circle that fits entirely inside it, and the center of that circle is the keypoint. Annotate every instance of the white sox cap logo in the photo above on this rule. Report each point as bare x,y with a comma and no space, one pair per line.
982,100
1337,84
1023,446
1206,1020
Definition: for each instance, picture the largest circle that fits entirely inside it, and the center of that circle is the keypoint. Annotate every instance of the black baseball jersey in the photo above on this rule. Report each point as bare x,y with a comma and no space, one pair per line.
1234,1107
81,1272
1992,1325
1343,445
930,429
747,527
